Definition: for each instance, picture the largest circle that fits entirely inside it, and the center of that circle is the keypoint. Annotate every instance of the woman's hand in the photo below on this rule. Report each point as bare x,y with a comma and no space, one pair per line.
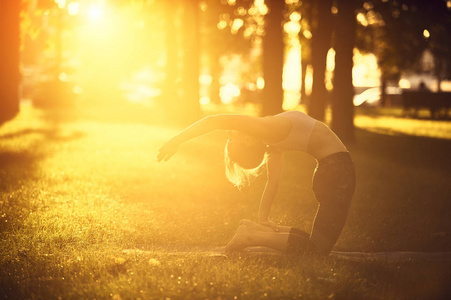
269,223
167,151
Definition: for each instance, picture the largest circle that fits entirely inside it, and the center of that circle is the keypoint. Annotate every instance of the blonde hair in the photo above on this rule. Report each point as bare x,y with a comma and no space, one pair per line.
242,167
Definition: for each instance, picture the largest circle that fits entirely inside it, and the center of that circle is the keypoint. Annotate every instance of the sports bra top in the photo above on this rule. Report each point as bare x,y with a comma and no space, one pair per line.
299,135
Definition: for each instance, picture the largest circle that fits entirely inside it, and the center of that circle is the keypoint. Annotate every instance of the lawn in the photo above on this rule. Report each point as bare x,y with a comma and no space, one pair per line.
87,212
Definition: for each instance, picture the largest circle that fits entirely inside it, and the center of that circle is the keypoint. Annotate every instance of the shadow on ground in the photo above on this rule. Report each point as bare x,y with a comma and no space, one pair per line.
403,189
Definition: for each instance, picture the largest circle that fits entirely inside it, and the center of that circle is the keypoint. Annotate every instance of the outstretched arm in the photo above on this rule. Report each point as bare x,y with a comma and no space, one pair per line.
275,162
257,127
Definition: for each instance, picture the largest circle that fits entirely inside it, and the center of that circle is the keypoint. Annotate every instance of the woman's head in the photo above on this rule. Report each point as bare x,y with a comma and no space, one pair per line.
244,157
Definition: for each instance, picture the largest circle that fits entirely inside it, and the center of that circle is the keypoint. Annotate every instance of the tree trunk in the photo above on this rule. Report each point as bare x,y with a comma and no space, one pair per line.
9,59
170,95
190,106
303,76
322,20
343,93
383,88
273,50
438,72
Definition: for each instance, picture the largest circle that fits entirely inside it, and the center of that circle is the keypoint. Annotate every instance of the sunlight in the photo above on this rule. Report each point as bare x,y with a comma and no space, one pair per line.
260,83
404,83
292,78
60,3
330,67
229,92
95,12
366,70
73,8
308,80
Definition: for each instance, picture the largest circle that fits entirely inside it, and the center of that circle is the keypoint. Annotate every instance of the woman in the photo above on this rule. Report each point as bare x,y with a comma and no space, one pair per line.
257,142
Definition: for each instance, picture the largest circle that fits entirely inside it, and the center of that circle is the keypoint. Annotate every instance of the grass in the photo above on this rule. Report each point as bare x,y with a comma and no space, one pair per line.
88,213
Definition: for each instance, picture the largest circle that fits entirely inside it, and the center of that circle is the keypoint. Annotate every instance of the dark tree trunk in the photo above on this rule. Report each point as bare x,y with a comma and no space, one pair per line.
191,61
343,93
273,48
438,62
322,21
9,59
306,53
383,88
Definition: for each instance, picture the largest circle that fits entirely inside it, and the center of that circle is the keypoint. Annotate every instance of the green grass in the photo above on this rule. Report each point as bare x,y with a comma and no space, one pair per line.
87,212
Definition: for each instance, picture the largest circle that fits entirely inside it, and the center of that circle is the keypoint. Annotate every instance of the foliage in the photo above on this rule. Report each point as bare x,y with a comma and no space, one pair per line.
393,31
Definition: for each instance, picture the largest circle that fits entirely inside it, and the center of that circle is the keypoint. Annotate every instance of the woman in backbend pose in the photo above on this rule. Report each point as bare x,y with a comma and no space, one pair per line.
257,142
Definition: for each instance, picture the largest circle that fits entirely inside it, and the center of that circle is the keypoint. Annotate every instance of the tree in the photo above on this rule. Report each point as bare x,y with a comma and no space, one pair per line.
169,92
191,60
436,19
305,7
222,36
9,58
322,20
343,92
273,50
182,39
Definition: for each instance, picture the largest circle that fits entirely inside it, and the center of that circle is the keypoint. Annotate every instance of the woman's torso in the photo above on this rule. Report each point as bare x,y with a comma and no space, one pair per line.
300,132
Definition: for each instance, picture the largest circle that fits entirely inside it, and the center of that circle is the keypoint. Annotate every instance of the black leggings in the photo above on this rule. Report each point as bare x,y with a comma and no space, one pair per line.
333,185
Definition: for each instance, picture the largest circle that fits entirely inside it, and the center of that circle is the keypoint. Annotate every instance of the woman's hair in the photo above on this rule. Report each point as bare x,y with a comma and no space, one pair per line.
244,162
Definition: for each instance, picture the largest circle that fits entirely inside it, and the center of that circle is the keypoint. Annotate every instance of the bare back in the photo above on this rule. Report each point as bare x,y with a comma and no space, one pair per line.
324,142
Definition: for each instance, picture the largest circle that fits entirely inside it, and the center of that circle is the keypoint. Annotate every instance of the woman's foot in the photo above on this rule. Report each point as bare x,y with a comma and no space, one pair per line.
240,240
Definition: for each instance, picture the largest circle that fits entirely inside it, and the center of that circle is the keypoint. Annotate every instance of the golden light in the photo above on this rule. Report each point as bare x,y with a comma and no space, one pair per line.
229,92
295,16
292,77
260,83
370,96
334,10
63,77
307,34
205,79
426,33
222,24
73,8
292,27
204,100
261,7
366,71
404,83
330,66
362,19
95,12
61,3
236,25
308,80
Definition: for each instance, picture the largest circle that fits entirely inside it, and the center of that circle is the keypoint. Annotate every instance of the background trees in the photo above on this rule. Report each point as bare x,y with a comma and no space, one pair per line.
343,92
177,43
273,58
9,59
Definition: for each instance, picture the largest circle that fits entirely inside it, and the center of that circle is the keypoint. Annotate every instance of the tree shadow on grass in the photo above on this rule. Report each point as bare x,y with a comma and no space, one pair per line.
402,196
19,169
